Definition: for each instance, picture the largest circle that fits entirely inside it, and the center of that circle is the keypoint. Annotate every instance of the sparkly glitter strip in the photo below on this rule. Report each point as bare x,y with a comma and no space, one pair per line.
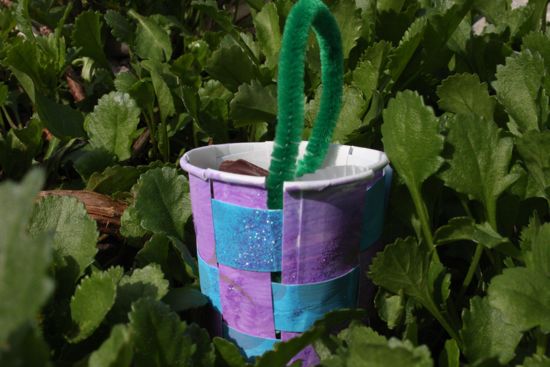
247,238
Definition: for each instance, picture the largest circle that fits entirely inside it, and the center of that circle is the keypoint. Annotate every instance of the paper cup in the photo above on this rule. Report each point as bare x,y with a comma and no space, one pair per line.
272,273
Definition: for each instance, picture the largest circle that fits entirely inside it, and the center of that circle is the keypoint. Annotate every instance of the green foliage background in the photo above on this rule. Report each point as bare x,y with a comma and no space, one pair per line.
106,96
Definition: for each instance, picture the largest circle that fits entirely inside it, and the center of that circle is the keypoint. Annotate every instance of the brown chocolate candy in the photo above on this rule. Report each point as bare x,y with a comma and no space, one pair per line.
242,167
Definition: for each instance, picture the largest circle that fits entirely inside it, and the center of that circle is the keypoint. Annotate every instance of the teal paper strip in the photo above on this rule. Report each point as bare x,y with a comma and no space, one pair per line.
251,346
298,306
374,214
388,176
248,238
210,283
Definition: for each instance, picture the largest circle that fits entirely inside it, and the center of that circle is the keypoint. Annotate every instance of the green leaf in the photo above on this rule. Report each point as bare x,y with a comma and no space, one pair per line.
185,298
151,40
27,62
365,77
188,261
411,267
533,148
62,120
211,89
493,10
486,334
114,179
450,357
411,138
24,284
404,266
388,5
442,23
3,94
164,96
231,66
353,108
141,90
521,294
357,332
94,297
390,307
167,253
466,229
212,119
526,18
205,353
403,53
536,247
146,282
75,235
25,347
113,124
254,102
26,83
115,351
88,160
268,33
19,147
159,335
23,19
211,9
121,28
518,85
130,223
31,136
538,42
350,119
87,36
479,166
465,94
459,42
536,361
364,347
162,201
155,251
228,352
349,22
283,352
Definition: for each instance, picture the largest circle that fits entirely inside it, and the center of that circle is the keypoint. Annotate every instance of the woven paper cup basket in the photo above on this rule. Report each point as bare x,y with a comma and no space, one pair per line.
275,254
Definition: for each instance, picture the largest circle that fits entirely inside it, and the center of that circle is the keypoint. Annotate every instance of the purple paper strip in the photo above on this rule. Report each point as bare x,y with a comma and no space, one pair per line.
246,301
251,197
321,232
308,355
201,195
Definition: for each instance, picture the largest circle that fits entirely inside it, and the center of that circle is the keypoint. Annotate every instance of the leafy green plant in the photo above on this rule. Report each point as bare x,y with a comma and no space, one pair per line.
104,97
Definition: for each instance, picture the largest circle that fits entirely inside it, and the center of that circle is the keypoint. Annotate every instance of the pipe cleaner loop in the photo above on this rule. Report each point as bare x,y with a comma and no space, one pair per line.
283,167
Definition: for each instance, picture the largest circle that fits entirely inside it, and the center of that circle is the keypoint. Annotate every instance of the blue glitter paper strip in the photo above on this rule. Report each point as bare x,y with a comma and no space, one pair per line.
374,214
210,283
248,238
251,346
297,306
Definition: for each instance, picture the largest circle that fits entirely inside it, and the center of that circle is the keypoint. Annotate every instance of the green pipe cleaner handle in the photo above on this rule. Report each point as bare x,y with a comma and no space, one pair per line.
290,89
